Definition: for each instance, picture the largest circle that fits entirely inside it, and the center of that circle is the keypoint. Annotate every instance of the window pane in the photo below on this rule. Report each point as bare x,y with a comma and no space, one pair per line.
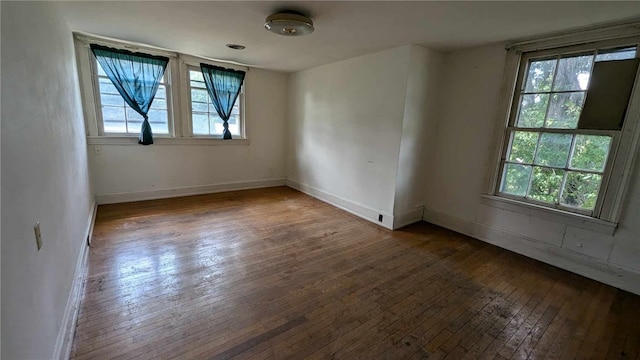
100,70
159,103
161,93
204,115
106,86
159,128
112,113
158,121
554,150
573,73
134,121
196,76
233,119
235,126
545,184
581,190
616,54
590,152
216,124
523,146
199,107
540,75
199,95
134,126
113,119
515,179
533,108
133,115
200,124
114,126
564,110
113,100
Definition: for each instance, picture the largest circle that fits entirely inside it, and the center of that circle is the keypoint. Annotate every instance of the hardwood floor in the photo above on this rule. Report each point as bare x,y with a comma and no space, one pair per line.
275,274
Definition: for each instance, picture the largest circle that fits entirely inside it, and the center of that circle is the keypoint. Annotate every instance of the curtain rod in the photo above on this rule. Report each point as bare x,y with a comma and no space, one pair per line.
87,38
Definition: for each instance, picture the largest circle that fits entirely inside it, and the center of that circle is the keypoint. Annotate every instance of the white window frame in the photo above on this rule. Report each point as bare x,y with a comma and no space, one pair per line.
240,100
624,145
178,96
93,64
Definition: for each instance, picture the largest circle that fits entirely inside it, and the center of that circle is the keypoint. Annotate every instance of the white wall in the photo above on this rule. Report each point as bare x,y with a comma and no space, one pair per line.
133,172
418,133
344,130
44,177
359,130
467,116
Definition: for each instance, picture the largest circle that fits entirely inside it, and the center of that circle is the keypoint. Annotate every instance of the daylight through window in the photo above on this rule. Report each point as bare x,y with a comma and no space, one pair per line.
119,118
204,118
548,159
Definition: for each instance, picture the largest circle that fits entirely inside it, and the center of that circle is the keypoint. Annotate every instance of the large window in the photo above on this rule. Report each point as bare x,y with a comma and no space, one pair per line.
551,156
205,120
120,118
181,111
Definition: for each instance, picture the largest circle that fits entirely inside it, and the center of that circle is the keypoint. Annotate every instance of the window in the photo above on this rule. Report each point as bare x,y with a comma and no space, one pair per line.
205,120
551,156
119,118
181,111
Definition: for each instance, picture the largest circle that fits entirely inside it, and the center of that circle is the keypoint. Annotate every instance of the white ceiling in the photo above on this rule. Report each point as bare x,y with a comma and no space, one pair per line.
343,29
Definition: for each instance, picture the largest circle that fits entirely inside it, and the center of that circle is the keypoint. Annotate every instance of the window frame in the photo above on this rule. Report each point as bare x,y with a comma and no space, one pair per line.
95,77
240,101
177,88
624,142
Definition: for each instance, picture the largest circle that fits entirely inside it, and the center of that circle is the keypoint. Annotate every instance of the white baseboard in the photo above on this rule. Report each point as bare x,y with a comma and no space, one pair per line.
354,208
186,191
68,326
586,266
408,217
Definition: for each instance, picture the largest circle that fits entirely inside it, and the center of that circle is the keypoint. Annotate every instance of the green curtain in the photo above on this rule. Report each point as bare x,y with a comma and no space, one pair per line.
137,77
223,86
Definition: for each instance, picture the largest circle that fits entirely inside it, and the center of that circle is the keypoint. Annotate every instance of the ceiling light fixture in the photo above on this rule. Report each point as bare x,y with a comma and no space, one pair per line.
236,46
289,23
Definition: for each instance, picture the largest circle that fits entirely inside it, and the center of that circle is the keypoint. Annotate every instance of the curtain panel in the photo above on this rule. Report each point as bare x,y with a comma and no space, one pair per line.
223,86
137,77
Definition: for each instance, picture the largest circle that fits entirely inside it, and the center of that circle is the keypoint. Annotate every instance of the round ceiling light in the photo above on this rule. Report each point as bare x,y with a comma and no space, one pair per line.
289,24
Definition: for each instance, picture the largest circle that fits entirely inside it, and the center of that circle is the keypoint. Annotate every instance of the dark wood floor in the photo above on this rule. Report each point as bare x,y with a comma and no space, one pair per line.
275,274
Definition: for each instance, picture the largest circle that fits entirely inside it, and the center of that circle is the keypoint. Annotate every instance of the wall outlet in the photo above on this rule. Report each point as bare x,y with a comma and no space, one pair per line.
98,150
36,229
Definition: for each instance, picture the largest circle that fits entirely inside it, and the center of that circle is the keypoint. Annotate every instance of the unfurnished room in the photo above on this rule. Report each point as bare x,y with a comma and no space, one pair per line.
320,180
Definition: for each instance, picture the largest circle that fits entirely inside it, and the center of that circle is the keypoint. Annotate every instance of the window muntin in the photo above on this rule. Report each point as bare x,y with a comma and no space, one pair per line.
548,160
205,120
119,118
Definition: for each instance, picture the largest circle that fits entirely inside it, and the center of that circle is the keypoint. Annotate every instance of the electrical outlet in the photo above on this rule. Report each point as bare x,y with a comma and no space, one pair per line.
36,229
98,150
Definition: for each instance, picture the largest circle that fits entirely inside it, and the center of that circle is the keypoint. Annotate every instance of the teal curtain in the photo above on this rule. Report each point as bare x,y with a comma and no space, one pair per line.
137,77
223,86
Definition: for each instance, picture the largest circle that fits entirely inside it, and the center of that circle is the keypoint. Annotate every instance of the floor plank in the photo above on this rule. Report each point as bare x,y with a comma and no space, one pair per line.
275,274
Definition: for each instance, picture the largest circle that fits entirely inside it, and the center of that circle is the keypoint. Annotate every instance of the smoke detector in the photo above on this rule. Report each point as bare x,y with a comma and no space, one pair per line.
289,23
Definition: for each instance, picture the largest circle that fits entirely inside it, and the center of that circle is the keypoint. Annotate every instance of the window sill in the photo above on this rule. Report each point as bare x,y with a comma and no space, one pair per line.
572,219
131,140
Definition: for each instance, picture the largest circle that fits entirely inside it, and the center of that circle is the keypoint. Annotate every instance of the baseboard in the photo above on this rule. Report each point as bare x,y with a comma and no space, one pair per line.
354,208
186,191
67,328
408,217
616,276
